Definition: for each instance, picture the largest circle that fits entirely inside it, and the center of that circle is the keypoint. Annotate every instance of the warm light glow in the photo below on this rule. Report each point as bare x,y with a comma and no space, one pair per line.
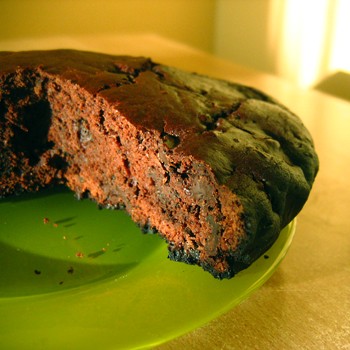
340,49
310,39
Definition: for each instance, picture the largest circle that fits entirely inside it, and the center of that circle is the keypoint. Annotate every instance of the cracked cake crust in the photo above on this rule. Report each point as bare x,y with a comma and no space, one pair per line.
216,168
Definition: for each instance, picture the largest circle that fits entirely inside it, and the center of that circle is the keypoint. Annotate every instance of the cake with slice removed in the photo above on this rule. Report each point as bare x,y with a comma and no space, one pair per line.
216,168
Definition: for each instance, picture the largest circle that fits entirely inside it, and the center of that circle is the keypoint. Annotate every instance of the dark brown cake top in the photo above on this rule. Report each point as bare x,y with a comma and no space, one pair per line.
254,145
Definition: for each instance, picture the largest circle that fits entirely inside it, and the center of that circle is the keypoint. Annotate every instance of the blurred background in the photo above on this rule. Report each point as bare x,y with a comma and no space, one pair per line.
303,41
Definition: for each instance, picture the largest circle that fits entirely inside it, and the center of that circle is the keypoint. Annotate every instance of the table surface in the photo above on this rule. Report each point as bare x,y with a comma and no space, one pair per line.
306,303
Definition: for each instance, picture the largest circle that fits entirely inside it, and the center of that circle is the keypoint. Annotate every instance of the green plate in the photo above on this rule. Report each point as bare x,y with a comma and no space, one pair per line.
76,277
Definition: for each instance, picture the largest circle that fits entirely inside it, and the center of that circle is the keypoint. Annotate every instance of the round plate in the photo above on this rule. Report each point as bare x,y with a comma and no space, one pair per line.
75,277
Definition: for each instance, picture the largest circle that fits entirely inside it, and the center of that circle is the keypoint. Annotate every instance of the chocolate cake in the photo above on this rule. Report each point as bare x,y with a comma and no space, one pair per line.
216,168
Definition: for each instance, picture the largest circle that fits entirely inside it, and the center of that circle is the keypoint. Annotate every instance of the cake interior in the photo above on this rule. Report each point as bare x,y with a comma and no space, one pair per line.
58,133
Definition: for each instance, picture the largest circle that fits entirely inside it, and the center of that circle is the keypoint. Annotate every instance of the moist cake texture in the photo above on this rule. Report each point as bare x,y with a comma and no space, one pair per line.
216,168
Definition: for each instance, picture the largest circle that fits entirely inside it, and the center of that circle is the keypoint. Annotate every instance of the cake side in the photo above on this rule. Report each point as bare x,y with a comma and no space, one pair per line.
98,153
216,168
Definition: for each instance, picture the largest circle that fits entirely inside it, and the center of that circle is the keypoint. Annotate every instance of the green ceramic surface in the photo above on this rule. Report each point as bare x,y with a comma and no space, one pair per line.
76,277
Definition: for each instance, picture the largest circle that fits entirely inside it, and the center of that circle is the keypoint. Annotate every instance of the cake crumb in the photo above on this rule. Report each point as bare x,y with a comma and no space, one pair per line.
55,224
46,220
79,255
